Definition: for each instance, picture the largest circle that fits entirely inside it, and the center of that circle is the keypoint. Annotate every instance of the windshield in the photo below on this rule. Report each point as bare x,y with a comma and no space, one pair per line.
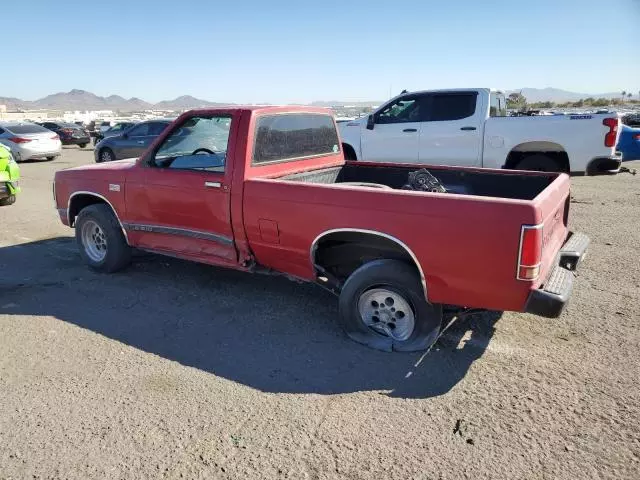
210,134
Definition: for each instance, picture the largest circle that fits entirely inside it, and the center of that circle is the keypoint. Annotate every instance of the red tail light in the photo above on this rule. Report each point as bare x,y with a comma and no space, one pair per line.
19,140
610,137
636,136
530,254
55,137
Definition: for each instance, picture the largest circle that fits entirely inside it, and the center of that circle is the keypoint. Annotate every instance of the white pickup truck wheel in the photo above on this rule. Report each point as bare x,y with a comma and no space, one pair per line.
539,163
382,305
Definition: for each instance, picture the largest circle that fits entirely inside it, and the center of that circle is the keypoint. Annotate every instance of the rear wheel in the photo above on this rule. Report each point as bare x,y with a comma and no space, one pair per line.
106,155
6,201
100,239
82,145
50,158
382,305
540,163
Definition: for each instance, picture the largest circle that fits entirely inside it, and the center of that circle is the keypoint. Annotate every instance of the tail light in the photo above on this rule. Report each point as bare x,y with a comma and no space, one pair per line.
19,140
530,254
610,137
636,136
55,137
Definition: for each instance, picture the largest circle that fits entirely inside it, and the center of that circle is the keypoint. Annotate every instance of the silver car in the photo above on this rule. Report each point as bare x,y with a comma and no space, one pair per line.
28,141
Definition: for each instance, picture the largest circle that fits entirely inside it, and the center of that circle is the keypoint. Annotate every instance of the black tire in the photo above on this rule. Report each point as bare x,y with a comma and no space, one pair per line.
540,163
403,280
82,145
49,159
118,252
106,155
6,201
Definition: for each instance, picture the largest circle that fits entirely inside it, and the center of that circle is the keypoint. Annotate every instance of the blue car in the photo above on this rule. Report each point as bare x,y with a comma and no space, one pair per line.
629,143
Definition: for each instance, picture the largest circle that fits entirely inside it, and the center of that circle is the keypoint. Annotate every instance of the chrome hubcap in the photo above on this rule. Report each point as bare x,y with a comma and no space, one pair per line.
387,312
106,156
94,241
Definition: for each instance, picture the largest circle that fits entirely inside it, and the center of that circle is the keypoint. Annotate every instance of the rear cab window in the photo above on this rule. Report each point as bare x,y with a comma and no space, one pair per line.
26,129
285,137
451,106
497,105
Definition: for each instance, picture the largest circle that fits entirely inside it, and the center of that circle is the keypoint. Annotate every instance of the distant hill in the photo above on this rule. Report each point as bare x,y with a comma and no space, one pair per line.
556,95
185,102
82,100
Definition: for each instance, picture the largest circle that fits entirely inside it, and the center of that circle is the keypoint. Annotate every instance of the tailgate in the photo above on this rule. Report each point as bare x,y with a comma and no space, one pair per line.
553,207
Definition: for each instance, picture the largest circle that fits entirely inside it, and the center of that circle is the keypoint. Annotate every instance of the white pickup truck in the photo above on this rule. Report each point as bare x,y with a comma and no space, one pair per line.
469,127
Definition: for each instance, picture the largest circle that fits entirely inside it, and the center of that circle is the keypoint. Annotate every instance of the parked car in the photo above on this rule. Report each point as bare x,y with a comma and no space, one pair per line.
116,129
104,126
131,142
69,133
629,143
632,120
266,189
29,141
9,177
469,127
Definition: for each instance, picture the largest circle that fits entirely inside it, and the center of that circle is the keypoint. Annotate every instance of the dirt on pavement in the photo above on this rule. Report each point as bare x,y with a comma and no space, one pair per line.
177,370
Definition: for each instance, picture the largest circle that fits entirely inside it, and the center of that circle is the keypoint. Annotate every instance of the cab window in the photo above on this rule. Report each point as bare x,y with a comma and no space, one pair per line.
199,143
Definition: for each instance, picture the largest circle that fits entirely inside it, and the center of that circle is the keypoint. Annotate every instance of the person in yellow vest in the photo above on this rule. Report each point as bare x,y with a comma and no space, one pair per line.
9,176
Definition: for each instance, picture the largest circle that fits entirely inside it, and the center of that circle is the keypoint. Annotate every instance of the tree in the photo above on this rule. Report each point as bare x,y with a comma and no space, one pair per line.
629,95
516,100
624,94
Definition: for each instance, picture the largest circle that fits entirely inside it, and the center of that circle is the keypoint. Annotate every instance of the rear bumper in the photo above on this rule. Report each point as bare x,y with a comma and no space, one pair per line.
76,140
550,299
604,165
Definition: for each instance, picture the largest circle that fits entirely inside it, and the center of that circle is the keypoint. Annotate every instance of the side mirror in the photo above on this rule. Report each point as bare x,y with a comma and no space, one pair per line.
370,122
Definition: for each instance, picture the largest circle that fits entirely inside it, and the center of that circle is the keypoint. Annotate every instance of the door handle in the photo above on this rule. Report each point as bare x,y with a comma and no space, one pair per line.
140,142
212,184
468,128
410,130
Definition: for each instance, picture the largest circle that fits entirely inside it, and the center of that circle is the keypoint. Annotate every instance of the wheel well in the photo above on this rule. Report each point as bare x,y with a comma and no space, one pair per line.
340,253
80,201
549,149
349,152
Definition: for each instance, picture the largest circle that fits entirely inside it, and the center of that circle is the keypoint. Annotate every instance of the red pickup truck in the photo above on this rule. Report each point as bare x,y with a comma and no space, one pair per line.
267,189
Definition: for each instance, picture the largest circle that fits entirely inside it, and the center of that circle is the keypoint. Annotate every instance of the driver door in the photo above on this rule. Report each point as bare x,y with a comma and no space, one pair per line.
395,136
183,205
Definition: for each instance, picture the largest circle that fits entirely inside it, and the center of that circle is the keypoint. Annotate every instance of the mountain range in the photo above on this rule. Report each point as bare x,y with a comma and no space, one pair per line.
83,100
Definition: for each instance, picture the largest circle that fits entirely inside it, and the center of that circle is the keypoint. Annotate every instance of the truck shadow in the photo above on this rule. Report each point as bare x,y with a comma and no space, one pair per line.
264,332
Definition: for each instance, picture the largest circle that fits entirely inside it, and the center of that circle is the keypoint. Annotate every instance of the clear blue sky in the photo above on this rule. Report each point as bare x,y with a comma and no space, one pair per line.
296,51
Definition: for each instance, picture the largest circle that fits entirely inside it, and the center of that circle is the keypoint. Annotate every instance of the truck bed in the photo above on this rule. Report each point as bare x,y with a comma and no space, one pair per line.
484,183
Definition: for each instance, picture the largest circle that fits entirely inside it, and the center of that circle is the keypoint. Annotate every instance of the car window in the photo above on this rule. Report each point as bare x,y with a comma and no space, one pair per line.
403,110
497,105
141,130
156,128
294,136
199,143
1,131
26,129
451,106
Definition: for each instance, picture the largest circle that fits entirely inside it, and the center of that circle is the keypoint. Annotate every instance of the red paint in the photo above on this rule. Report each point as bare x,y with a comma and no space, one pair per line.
467,246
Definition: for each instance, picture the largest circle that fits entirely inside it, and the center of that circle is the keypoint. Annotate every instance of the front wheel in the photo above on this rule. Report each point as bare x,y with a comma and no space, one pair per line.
100,239
49,159
382,305
6,201
82,145
106,155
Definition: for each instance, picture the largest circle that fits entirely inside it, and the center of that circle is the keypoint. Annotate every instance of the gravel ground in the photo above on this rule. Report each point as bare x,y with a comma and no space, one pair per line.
178,370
